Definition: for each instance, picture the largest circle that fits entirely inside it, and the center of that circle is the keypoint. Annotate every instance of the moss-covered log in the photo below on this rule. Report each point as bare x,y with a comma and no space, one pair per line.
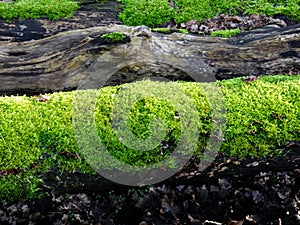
63,61
40,145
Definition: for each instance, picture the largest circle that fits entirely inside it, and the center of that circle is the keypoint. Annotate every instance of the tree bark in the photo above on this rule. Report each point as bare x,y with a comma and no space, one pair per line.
83,59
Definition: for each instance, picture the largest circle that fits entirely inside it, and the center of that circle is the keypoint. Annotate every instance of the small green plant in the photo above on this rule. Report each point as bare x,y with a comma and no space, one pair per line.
183,31
119,206
51,9
113,37
168,30
225,33
162,30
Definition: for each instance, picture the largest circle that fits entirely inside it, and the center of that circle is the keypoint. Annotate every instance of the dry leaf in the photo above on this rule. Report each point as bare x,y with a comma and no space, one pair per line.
250,79
235,222
42,98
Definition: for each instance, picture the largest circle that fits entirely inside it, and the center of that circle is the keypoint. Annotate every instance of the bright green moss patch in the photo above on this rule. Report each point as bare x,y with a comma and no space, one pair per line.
113,37
162,30
18,138
226,33
19,186
145,12
51,9
37,137
183,31
155,12
168,30
140,117
261,115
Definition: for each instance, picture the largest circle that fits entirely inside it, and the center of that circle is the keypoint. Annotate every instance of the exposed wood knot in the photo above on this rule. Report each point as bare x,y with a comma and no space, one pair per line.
141,31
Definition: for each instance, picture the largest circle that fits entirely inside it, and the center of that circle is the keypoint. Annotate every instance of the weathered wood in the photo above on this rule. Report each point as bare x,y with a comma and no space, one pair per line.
82,59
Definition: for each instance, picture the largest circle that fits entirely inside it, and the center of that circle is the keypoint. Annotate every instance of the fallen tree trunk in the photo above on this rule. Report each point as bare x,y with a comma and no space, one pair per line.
83,59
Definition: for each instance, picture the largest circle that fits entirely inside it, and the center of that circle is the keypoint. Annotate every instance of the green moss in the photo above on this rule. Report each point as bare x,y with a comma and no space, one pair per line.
261,115
168,30
145,12
155,12
18,140
38,137
183,31
143,112
113,37
20,186
162,30
225,33
51,9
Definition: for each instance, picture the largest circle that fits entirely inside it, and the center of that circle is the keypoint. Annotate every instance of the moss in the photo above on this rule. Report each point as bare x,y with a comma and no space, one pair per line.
183,31
113,37
142,113
38,137
51,9
168,30
20,186
162,30
144,12
226,33
156,12
261,115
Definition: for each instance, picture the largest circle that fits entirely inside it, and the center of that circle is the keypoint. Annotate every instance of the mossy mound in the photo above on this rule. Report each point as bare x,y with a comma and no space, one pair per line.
156,12
50,9
37,135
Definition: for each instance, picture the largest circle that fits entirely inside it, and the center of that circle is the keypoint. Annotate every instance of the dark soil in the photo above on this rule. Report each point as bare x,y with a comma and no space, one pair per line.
231,191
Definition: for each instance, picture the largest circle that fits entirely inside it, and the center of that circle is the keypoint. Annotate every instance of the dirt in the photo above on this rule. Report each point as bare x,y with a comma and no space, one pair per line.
231,191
